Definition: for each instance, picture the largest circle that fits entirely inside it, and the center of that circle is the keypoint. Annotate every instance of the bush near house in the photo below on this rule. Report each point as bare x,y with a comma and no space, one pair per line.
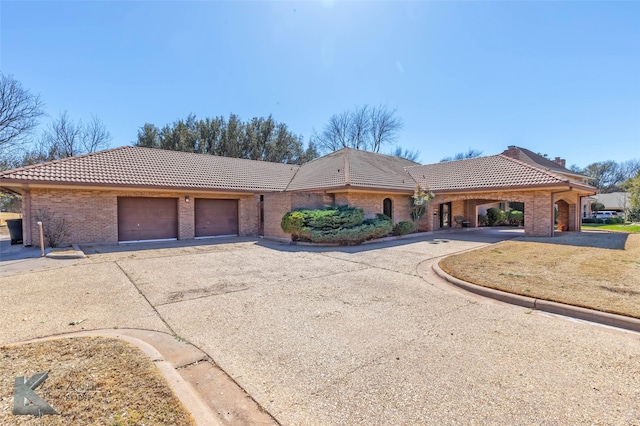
608,221
334,225
403,228
515,218
495,217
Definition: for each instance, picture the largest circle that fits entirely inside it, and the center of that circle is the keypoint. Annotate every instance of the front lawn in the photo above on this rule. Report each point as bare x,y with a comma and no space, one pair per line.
594,270
98,381
619,228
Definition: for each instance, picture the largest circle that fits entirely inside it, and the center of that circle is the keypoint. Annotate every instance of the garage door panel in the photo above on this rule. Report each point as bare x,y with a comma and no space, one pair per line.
215,217
141,218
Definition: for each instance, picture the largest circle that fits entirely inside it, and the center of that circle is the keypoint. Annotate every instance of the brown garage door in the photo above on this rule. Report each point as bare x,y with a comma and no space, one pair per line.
141,219
216,217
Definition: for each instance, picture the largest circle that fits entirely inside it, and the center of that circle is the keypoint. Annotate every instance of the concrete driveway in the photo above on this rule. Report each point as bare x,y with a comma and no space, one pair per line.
344,335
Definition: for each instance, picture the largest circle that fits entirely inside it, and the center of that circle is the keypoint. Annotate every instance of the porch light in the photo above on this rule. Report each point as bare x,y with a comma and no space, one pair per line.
186,198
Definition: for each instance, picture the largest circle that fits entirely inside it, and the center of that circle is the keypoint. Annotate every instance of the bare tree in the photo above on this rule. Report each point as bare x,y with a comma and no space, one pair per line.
360,128
406,153
364,127
65,138
19,112
95,135
336,134
384,127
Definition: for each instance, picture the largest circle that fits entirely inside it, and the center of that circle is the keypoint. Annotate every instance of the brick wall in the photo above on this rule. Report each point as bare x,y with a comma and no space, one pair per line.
92,215
372,203
539,210
275,206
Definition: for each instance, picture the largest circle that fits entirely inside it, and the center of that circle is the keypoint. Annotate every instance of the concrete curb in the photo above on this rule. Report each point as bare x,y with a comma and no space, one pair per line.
206,391
168,357
613,320
73,253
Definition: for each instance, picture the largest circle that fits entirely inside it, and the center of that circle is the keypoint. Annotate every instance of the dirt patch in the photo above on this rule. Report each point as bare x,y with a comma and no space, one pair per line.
91,381
594,270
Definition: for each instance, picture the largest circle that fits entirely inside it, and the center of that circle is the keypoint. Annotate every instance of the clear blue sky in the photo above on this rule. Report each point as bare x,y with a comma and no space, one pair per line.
559,78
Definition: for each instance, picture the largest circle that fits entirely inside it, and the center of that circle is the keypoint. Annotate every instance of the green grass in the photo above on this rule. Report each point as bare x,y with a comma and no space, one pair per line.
620,228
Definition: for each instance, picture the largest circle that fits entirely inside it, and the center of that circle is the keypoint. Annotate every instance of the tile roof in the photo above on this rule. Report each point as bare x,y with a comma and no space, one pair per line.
356,169
531,157
496,171
148,167
347,168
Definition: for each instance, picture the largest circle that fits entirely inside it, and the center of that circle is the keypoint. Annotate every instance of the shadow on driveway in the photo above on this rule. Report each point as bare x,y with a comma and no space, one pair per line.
484,235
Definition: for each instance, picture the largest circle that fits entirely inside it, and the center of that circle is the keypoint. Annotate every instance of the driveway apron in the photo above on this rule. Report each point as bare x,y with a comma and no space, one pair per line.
355,336
348,335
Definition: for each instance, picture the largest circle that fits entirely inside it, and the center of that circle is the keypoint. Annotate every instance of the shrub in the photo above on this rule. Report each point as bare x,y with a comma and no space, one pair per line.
589,220
482,220
296,222
633,215
334,217
403,228
55,229
495,217
292,222
515,218
342,225
369,229
611,221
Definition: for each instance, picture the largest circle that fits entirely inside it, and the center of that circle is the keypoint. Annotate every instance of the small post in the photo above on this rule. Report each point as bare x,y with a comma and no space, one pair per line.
41,238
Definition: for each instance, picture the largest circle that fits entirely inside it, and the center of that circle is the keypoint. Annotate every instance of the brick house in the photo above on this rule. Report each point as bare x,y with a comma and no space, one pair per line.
138,194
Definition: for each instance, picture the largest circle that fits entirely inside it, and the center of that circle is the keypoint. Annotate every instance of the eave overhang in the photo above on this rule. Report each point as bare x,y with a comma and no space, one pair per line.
19,185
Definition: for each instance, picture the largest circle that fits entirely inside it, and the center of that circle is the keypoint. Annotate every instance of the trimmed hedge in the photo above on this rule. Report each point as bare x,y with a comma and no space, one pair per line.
591,220
403,228
608,221
334,225
495,217
515,218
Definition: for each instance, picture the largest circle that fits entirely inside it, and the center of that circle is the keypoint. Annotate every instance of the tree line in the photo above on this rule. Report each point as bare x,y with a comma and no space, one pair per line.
256,139
363,127
20,112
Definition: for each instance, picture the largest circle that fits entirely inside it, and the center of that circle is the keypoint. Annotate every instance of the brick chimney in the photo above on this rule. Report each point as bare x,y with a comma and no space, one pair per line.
511,151
560,161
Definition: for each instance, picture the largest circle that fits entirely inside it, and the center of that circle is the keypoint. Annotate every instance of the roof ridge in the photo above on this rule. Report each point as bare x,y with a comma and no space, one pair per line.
558,167
65,159
534,167
347,169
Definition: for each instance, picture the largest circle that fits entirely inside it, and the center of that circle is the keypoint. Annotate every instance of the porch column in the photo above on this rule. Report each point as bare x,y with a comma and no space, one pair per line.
539,215
563,215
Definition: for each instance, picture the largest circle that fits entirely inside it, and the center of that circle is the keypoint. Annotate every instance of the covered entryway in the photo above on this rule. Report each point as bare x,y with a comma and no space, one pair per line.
215,218
144,219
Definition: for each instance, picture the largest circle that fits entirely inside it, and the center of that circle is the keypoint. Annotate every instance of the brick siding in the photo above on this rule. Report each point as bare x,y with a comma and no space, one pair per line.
92,215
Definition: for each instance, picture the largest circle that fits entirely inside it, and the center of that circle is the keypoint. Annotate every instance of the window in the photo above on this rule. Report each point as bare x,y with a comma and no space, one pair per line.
387,207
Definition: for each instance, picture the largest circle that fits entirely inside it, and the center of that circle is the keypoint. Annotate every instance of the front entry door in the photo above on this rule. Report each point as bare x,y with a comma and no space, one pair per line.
445,215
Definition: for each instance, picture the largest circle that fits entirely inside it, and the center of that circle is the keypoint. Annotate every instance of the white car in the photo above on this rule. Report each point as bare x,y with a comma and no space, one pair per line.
606,215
